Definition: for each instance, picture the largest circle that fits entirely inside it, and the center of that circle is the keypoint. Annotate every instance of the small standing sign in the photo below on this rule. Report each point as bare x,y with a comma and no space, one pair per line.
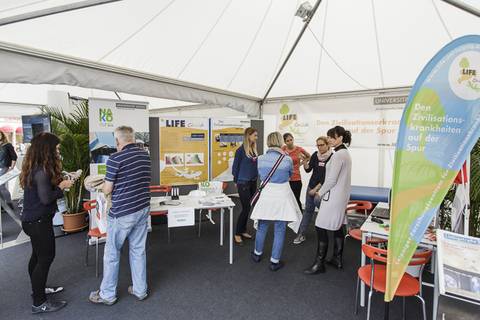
181,217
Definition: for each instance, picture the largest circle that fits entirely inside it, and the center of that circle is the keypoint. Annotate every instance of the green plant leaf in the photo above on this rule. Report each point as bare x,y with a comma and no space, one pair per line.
72,129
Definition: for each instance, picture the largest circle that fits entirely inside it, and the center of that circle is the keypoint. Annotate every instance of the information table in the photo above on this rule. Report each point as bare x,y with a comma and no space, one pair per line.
210,202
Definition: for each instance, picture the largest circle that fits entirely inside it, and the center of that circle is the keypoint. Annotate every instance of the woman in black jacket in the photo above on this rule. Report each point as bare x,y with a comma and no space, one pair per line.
8,159
41,179
316,163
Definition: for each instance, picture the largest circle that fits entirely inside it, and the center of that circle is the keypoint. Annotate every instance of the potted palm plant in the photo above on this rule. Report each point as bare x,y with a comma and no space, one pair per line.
72,129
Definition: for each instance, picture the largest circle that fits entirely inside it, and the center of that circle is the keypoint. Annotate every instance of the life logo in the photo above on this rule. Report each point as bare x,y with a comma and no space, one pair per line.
464,75
106,117
287,119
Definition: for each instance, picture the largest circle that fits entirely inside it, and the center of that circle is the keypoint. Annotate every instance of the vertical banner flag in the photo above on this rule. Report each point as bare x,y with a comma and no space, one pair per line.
439,127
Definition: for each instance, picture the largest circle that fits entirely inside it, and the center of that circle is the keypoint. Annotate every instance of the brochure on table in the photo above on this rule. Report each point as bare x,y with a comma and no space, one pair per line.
184,153
226,137
106,115
459,265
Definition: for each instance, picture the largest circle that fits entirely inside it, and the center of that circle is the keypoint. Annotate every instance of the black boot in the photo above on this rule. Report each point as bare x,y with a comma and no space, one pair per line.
337,260
319,264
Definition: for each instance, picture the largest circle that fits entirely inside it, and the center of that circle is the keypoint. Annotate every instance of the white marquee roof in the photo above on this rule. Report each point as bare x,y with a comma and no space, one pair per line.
238,45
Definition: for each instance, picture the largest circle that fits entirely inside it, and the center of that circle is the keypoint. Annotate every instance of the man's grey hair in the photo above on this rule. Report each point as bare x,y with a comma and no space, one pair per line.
125,134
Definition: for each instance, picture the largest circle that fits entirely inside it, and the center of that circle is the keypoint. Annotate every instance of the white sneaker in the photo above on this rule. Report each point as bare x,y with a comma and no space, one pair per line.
299,239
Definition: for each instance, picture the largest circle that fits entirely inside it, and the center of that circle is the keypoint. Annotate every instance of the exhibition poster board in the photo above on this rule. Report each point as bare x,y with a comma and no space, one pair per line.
459,265
106,115
226,137
184,150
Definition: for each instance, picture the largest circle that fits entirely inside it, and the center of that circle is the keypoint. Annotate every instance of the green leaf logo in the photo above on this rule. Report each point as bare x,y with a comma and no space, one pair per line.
464,64
284,109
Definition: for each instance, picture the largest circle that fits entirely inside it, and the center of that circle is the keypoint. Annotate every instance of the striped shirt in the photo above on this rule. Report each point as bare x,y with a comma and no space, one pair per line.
129,171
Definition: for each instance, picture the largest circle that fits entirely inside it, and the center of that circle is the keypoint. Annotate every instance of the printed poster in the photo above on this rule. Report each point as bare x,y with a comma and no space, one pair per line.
459,264
106,115
227,136
184,158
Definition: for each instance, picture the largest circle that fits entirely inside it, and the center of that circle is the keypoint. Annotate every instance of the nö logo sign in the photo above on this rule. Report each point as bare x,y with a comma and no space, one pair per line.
106,116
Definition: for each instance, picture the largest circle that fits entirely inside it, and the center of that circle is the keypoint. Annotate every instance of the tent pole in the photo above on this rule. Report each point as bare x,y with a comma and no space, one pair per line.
307,22
54,10
462,6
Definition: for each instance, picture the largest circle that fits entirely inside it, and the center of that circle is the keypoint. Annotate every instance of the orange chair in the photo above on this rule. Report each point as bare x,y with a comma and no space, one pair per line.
356,233
209,214
161,189
94,233
374,276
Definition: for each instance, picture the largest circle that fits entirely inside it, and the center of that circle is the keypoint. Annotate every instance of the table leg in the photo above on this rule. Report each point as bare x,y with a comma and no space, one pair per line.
231,235
221,225
362,263
436,292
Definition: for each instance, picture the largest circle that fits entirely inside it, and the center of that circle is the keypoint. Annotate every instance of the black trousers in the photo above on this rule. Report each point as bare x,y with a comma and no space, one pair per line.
43,252
245,191
323,234
296,187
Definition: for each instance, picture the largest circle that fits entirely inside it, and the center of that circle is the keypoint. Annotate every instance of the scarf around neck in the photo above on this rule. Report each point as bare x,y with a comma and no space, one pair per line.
325,156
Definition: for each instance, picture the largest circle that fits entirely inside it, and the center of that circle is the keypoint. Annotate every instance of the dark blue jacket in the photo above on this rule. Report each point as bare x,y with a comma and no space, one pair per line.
244,168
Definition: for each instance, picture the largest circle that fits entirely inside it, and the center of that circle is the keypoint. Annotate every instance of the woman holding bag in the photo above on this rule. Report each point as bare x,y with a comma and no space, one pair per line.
276,202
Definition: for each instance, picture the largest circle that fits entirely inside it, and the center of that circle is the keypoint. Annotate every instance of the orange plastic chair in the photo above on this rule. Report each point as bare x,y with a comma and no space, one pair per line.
356,233
94,233
374,276
161,189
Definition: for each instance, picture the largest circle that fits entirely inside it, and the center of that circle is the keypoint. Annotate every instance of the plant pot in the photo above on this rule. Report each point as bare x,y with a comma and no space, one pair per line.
74,222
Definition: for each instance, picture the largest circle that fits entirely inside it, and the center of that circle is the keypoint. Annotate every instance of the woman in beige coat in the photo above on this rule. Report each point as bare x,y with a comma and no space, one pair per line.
334,195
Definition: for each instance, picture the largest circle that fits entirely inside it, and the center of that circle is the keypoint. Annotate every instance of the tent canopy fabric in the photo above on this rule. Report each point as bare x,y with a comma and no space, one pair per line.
238,45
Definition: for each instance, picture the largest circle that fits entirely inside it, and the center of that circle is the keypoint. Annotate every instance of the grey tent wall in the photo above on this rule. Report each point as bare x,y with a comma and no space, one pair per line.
258,124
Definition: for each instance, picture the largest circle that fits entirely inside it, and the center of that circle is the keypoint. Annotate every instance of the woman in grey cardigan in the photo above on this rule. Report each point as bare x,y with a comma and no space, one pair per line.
334,193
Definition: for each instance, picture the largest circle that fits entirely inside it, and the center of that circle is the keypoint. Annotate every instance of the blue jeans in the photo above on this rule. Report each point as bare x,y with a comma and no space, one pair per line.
310,204
278,238
133,227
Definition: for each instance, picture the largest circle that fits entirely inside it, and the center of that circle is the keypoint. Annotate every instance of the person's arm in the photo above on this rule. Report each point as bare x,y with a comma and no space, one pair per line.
107,187
111,176
13,155
308,165
236,164
290,168
46,194
333,172
305,153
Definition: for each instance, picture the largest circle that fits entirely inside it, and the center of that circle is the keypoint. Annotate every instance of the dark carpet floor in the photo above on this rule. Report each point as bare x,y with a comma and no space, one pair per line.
190,278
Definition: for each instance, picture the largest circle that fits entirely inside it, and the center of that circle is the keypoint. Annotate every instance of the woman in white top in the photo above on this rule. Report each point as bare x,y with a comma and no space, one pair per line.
334,195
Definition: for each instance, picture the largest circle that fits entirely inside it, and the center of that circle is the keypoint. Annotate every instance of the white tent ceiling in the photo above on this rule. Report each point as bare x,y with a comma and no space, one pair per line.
238,45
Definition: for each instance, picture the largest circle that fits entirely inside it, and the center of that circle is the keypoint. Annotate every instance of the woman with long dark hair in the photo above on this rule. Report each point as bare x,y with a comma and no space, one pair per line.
245,175
299,156
334,194
41,179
